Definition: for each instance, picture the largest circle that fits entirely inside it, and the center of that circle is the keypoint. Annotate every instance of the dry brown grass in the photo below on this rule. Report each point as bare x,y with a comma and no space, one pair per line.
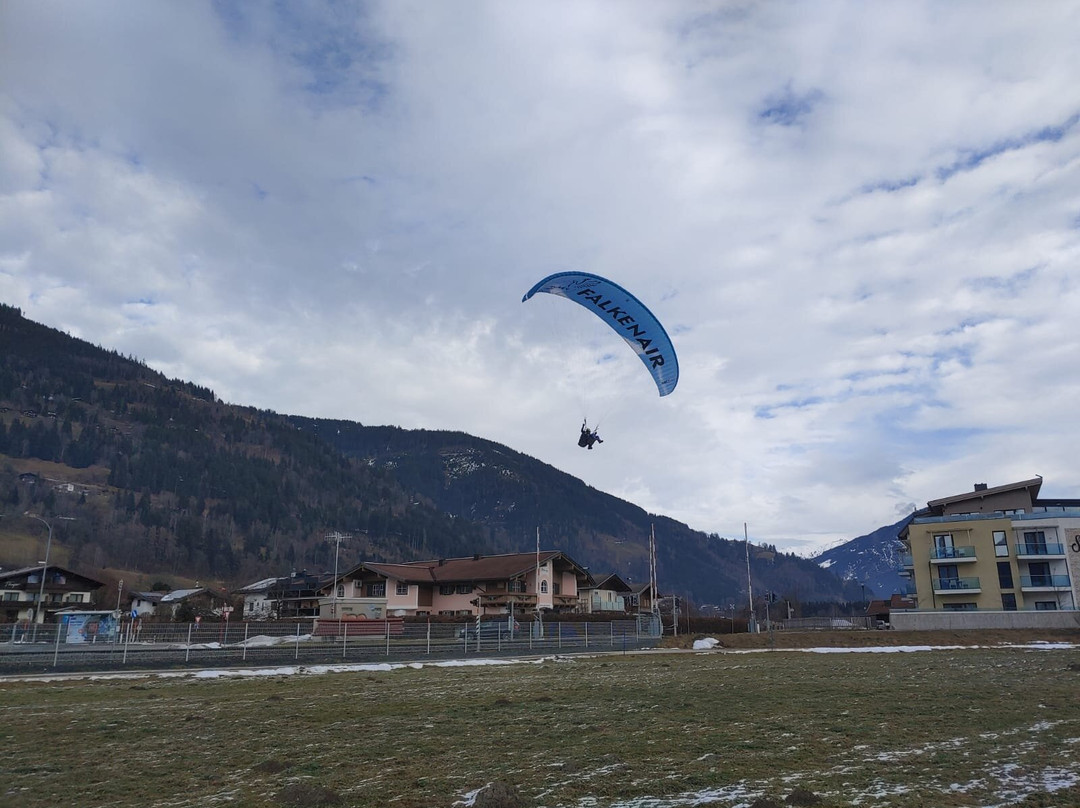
889,638
943,728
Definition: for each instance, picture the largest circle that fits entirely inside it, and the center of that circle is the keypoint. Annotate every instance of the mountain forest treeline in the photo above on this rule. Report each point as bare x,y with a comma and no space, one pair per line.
156,475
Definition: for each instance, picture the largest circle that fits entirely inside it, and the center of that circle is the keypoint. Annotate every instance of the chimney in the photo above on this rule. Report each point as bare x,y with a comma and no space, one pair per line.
980,486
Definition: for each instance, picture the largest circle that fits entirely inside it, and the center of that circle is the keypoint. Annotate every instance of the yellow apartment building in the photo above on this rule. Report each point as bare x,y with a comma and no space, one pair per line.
1000,548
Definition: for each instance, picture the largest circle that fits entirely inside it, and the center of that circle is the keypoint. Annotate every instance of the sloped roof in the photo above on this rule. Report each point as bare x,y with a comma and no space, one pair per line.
257,587
178,595
472,568
609,581
9,574
1032,485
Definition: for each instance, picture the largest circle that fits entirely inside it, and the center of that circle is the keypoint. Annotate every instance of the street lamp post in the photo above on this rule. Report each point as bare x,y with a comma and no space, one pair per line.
45,568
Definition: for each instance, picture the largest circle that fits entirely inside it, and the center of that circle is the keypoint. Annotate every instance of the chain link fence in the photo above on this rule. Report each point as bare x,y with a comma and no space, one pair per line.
143,645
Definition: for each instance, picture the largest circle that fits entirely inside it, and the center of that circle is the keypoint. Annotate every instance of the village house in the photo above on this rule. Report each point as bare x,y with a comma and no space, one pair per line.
257,598
144,603
608,593
476,586
57,587
199,601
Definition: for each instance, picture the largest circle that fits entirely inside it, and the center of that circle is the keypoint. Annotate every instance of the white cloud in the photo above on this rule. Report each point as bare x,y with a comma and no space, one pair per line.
859,223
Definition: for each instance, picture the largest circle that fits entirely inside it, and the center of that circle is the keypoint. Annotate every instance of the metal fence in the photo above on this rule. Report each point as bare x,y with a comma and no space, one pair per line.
59,648
825,623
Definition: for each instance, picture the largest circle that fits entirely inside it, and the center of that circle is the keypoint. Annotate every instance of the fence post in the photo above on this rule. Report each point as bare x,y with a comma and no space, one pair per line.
429,635
297,655
344,637
586,633
560,636
246,627
187,650
612,624
56,651
387,623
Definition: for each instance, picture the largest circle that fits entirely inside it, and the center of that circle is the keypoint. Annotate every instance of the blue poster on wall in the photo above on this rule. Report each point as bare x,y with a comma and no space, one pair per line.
89,627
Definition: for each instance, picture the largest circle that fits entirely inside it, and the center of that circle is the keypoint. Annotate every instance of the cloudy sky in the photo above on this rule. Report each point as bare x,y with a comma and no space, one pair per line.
859,222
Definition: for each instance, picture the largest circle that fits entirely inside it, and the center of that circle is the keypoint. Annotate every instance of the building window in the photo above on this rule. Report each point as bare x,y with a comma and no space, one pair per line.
948,576
341,590
1008,601
464,589
515,586
943,546
1001,544
376,590
556,588
1005,579
1035,542
446,589
1045,606
959,607
1040,573
11,596
402,588
543,587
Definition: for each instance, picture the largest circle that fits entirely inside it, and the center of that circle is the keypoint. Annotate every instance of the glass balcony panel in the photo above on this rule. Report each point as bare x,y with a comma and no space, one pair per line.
906,561
952,553
956,584
1044,581
1040,549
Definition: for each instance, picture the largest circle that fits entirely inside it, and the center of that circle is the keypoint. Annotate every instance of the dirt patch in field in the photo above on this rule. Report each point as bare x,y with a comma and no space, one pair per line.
885,637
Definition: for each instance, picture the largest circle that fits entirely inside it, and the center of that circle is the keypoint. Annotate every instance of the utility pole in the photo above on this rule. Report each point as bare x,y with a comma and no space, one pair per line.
336,537
752,625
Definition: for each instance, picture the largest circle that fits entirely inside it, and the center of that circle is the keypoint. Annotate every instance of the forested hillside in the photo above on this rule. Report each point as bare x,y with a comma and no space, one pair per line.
151,474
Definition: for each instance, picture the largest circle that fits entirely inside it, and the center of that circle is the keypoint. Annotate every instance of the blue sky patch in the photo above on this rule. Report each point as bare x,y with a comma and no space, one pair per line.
789,108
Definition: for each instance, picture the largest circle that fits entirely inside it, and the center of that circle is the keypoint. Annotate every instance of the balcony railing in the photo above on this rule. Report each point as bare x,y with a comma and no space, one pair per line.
1044,581
965,553
947,585
906,561
1040,549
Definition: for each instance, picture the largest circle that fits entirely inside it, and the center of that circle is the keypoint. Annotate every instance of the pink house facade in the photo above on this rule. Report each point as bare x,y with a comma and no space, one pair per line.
512,583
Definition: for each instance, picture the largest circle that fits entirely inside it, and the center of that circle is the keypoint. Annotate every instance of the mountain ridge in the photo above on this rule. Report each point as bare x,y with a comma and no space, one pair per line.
198,487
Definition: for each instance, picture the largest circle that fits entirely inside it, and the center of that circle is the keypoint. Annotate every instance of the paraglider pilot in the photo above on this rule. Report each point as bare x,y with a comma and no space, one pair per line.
588,437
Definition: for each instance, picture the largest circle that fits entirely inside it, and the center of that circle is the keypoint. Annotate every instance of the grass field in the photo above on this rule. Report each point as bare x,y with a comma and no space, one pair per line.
941,728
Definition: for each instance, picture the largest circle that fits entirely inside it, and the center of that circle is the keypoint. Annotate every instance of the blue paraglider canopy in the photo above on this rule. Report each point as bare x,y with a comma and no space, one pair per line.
625,314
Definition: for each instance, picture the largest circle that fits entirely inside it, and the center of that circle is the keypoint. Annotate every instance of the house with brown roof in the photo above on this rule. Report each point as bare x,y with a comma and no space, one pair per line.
20,590
511,583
